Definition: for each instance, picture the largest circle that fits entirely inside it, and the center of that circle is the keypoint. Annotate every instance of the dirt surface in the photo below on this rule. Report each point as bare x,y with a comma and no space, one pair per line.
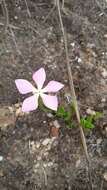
30,38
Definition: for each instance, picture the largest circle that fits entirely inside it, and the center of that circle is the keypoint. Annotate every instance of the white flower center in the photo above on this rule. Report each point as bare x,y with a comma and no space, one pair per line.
38,91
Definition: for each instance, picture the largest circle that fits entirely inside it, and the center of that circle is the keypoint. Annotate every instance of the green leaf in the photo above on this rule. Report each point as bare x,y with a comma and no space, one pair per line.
70,125
87,124
61,111
97,115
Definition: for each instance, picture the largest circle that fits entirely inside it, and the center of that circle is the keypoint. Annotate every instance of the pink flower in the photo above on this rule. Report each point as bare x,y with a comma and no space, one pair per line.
31,103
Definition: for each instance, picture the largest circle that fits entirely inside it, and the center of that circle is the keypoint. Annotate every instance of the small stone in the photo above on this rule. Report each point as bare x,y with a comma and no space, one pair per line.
11,109
105,176
91,112
45,165
44,122
1,158
103,100
106,129
37,165
90,45
78,163
72,44
56,124
37,145
32,143
50,164
19,112
49,115
104,73
15,17
79,60
105,35
46,141
99,140
17,105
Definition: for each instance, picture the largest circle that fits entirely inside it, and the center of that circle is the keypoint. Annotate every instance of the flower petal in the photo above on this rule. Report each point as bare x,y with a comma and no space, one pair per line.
39,77
24,86
53,86
30,103
50,101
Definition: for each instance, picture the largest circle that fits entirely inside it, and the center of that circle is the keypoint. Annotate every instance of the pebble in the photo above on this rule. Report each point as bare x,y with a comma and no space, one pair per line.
19,112
78,163
105,35
79,60
56,124
17,105
50,164
104,73
1,158
46,141
15,17
99,140
103,100
49,115
37,165
37,145
44,122
45,165
105,176
72,44
89,111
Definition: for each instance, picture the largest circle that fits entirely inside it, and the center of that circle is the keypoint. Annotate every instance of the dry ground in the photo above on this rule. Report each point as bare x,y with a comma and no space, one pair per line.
29,158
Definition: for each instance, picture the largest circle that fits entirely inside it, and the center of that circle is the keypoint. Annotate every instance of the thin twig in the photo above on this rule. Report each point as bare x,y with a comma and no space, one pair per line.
49,14
28,11
72,89
6,14
100,7
11,26
71,82
45,176
14,40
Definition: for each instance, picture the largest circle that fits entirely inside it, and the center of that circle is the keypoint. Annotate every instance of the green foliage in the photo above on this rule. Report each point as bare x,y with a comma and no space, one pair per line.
88,122
67,116
63,114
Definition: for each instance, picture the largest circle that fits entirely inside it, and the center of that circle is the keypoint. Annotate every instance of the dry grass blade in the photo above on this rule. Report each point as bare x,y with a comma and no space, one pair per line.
5,12
72,89
28,11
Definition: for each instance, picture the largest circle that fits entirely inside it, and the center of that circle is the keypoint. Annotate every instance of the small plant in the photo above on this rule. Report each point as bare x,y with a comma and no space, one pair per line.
49,103
88,122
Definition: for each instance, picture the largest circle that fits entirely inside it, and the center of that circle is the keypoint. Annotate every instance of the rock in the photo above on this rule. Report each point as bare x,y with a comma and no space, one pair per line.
99,140
105,176
50,164
56,124
78,163
18,112
91,112
49,115
38,145
1,158
46,141
104,72
103,100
